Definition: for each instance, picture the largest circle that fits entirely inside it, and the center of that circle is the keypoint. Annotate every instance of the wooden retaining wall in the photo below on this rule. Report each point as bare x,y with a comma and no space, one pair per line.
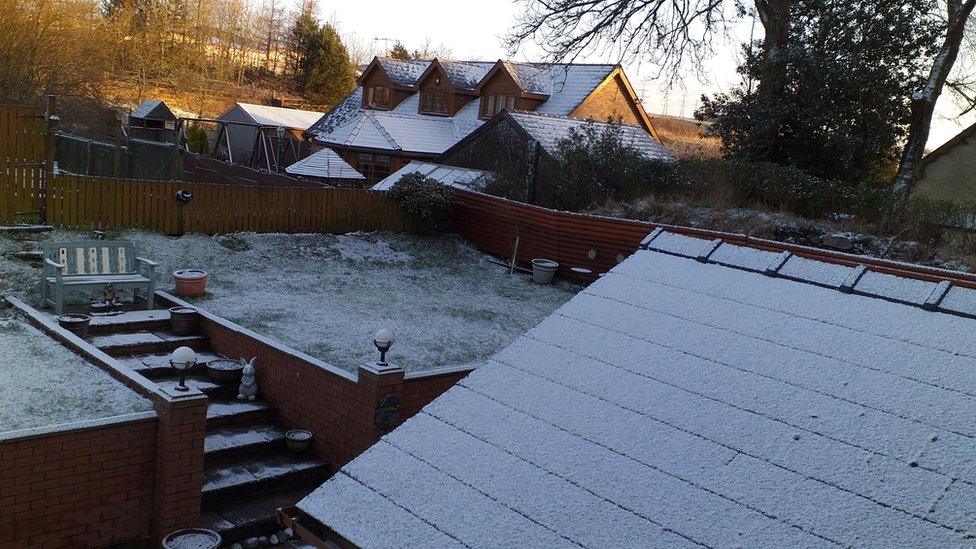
86,203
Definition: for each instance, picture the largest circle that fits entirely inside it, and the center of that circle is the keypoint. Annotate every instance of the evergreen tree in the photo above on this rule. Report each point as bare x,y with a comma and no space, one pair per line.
303,43
332,74
850,69
399,52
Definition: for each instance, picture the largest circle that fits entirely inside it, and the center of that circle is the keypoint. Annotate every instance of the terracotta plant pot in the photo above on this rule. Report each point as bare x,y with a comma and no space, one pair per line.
76,323
183,320
197,538
298,440
190,282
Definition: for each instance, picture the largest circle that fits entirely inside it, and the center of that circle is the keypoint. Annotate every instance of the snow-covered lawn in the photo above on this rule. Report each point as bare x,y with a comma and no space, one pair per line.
325,295
42,383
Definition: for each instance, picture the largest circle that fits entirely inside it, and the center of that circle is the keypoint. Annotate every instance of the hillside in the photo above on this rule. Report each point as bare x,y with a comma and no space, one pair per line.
682,137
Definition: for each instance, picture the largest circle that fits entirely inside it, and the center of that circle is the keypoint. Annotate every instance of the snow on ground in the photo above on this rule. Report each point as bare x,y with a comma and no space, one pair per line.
45,384
326,295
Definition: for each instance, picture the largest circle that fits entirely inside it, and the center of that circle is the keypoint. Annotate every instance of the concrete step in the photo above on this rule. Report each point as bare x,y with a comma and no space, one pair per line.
227,440
223,478
228,412
156,366
198,380
239,518
141,343
130,321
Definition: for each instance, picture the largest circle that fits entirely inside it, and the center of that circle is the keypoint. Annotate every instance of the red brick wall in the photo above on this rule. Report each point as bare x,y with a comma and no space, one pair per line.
180,435
86,487
338,407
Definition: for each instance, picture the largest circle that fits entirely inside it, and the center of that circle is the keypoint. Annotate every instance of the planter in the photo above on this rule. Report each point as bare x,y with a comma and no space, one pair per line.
75,323
225,370
543,270
298,440
183,320
192,538
190,282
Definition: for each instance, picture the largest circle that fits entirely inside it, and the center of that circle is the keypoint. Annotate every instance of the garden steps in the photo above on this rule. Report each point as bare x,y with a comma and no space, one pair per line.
225,440
130,321
121,344
236,412
196,380
233,476
240,518
156,366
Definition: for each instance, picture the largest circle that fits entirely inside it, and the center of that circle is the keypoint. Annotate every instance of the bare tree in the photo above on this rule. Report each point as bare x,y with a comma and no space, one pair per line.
958,14
671,34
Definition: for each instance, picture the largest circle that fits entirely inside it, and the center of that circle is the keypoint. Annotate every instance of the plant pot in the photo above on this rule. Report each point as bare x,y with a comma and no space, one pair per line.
543,270
225,370
76,323
298,440
190,282
192,538
183,320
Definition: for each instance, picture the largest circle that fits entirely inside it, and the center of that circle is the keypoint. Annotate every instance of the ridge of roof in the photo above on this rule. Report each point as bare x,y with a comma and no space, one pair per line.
945,147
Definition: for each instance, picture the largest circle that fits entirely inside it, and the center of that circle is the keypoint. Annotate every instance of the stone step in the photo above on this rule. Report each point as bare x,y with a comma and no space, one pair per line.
228,440
239,518
156,366
227,411
130,321
140,343
223,478
200,381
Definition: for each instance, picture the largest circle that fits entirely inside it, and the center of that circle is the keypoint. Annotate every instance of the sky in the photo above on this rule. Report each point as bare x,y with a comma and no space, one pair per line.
475,31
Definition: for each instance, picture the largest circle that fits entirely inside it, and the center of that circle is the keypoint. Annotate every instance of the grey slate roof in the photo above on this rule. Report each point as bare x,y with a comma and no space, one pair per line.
452,176
549,130
403,72
153,109
686,399
324,164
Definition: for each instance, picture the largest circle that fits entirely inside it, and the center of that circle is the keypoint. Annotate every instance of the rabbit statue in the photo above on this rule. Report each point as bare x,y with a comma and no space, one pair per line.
249,386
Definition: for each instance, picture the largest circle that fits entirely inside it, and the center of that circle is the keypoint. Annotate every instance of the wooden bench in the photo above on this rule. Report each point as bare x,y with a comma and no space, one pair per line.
92,265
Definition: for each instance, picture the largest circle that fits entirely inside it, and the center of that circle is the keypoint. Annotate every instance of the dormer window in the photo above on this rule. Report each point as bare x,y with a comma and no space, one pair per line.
378,97
494,103
433,101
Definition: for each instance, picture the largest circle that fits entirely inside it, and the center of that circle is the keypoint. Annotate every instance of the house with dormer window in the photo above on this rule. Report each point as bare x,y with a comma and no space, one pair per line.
407,110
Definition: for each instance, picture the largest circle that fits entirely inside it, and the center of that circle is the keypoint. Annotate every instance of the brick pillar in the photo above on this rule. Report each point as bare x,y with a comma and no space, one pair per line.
181,428
377,381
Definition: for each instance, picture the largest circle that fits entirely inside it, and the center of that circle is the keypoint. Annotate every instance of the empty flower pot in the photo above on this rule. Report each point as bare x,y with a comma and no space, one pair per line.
76,323
298,440
543,270
225,370
190,282
183,320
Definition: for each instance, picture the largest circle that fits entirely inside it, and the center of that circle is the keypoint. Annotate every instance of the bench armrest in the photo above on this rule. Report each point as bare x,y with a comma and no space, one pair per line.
51,266
150,267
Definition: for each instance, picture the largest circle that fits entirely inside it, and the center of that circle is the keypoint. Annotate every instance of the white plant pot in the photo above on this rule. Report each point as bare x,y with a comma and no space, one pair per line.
543,270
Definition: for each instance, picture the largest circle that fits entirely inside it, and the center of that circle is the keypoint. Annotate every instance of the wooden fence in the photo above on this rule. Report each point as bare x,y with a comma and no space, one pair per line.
86,203
23,156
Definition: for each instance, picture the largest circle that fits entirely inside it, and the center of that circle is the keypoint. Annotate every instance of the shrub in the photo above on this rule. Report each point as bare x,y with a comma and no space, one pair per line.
196,138
424,200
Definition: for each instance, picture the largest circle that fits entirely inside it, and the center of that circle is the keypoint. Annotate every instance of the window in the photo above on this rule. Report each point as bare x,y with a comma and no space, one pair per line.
374,167
377,96
434,101
494,103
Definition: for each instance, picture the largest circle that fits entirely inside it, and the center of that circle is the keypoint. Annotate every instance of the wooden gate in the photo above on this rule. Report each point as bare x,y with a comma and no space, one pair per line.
23,164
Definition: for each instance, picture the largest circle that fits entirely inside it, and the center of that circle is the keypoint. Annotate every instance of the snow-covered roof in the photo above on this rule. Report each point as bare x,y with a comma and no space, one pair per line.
279,116
452,176
403,72
325,164
549,130
566,86
152,109
685,399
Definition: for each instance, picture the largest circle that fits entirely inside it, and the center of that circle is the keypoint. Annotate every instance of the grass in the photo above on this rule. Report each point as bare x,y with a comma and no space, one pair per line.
326,295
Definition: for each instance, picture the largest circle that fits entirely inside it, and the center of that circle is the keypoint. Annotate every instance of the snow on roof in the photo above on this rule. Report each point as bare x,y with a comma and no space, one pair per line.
153,109
279,116
684,400
403,72
325,164
549,130
452,176
465,75
565,85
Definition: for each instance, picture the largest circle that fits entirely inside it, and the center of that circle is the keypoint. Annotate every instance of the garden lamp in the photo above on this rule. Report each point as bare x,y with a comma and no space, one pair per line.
280,131
182,360
383,339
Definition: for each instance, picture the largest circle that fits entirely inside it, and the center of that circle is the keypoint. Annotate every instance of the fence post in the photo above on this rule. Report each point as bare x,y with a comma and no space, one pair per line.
47,173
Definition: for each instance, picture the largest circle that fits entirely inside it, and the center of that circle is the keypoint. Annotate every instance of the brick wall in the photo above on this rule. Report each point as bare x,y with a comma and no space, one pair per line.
88,486
338,406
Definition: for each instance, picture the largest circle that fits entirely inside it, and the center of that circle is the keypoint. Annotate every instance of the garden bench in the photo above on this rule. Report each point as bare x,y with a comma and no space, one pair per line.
92,265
